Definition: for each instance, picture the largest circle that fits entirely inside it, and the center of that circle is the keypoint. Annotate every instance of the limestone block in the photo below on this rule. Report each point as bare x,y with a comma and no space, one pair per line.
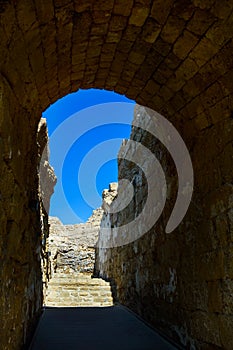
205,327
215,298
185,44
139,15
123,8
225,325
172,29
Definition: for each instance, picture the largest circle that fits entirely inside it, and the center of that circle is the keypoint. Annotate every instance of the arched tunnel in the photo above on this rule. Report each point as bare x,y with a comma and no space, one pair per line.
173,56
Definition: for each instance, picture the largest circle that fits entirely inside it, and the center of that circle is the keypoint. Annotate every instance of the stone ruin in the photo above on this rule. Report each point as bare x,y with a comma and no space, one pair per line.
72,247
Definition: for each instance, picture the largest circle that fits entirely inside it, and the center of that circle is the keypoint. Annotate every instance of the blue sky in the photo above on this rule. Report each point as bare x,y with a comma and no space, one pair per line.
86,129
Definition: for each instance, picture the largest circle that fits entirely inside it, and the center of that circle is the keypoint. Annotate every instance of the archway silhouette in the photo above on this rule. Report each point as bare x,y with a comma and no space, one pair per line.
174,57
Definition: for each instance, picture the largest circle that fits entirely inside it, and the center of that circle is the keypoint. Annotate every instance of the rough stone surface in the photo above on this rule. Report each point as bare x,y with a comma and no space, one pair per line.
108,196
72,247
24,222
47,181
140,49
180,282
72,259
77,289
46,172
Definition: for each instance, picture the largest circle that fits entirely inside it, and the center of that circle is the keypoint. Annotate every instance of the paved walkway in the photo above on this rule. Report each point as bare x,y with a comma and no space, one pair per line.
94,328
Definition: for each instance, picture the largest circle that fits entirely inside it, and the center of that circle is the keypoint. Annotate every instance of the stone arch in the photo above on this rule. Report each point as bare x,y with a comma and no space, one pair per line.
159,54
172,56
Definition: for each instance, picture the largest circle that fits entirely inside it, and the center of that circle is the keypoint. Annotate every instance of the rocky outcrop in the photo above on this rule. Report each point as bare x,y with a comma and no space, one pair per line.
72,247
108,195
47,182
47,175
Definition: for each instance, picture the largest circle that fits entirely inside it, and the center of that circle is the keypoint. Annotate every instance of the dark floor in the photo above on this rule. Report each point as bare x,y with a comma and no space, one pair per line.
94,328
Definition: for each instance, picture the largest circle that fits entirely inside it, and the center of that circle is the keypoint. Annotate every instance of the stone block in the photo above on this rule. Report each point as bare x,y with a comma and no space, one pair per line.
113,186
160,10
136,58
201,121
200,22
100,29
139,15
221,110
221,10
211,265
124,46
187,69
151,31
101,17
82,5
205,327
122,8
103,5
184,10
225,326
215,297
204,5
113,37
184,44
227,301
152,87
172,29
131,33
26,15
203,52
118,23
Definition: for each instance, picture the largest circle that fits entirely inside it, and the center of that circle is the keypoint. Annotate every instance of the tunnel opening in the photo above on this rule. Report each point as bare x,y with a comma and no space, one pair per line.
89,120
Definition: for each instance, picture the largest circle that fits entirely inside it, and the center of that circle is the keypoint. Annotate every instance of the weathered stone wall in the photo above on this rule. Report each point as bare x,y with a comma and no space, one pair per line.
181,282
47,182
20,240
47,176
72,247
23,221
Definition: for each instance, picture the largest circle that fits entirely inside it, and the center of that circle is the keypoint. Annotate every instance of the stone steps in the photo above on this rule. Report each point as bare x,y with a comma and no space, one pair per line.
77,290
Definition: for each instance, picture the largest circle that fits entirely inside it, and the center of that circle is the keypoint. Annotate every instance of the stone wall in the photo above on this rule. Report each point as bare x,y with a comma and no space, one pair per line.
21,234
72,247
181,282
20,207
47,182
